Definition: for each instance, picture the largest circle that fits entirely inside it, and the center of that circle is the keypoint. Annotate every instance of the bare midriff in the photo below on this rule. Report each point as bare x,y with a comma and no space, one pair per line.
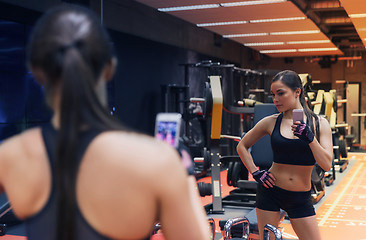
292,177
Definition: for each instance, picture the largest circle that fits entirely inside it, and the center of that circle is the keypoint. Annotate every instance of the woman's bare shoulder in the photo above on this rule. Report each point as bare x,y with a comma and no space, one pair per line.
324,123
22,150
28,140
268,121
136,146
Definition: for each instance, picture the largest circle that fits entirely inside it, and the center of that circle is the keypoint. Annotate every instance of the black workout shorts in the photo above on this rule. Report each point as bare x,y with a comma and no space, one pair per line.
296,204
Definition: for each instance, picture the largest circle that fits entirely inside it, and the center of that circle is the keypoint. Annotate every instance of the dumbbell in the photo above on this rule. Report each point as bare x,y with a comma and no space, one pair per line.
205,189
205,160
211,223
269,228
233,222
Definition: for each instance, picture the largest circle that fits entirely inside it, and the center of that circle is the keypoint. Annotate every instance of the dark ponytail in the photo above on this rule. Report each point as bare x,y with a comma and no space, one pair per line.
292,80
71,48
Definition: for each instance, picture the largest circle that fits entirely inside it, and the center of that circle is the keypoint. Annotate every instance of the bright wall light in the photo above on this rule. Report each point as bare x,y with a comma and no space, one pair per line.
340,81
278,51
316,81
263,44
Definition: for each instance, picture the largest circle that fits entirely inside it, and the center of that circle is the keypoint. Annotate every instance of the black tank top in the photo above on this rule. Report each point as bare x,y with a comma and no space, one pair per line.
290,151
43,225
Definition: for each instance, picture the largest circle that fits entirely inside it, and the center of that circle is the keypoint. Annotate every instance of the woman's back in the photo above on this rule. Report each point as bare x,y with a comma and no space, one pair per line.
123,182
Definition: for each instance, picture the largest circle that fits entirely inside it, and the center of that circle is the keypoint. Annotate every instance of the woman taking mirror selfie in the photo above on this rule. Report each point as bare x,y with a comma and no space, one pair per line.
297,146
83,176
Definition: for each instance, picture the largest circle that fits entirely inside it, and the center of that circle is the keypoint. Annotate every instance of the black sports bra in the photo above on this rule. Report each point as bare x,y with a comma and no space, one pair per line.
290,151
43,224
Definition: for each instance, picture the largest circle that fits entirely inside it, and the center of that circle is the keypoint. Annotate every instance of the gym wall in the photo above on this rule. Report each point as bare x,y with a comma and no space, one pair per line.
152,44
134,93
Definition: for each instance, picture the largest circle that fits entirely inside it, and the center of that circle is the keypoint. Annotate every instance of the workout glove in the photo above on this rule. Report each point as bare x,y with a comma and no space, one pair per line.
304,132
261,176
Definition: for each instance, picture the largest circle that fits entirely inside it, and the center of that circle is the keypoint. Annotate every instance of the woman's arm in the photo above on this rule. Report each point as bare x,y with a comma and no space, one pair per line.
323,149
180,211
249,139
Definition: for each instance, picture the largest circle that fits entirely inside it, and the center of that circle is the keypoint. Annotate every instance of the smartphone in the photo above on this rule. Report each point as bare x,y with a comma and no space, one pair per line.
297,115
167,127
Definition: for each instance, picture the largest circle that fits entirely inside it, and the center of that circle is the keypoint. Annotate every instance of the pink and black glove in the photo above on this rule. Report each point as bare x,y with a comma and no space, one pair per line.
264,178
304,132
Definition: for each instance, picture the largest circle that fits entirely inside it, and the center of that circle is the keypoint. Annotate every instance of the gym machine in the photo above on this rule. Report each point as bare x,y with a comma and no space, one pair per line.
326,103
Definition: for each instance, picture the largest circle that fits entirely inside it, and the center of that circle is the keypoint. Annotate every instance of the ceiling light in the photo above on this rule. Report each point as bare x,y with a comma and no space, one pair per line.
263,44
245,35
246,3
207,6
250,21
184,8
308,42
359,15
277,19
278,51
295,32
317,49
220,23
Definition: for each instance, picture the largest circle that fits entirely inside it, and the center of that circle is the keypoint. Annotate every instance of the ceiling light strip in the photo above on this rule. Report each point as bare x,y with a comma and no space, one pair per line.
185,8
308,42
272,33
250,21
277,19
295,32
299,50
208,6
246,3
245,35
278,51
221,23
358,15
255,44
317,49
263,44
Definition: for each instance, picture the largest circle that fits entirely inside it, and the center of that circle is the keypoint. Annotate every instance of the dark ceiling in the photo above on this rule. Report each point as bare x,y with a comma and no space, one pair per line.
333,20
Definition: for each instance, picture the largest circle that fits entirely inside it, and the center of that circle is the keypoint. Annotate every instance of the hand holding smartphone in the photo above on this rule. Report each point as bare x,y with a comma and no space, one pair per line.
297,115
167,128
